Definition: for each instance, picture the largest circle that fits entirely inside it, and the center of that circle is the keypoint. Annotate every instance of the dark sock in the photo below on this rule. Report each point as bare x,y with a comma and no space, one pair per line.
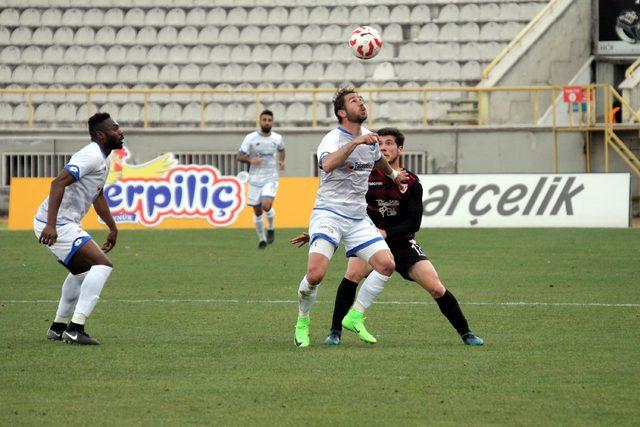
75,327
345,297
58,327
451,309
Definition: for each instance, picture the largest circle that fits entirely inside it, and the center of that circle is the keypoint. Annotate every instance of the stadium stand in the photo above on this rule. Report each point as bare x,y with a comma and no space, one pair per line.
190,42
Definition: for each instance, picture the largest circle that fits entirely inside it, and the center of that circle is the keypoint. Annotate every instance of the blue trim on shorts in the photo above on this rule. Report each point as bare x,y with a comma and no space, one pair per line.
340,215
325,237
74,173
57,223
353,251
75,248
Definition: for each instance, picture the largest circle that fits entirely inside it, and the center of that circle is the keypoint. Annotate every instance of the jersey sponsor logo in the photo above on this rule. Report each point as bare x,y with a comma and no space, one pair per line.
388,207
159,189
358,166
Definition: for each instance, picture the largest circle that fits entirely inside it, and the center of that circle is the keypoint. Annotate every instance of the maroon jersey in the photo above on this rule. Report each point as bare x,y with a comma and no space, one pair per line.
399,214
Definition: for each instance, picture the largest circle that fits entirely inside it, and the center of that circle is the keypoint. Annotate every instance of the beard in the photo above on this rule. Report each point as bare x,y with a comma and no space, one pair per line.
265,129
357,118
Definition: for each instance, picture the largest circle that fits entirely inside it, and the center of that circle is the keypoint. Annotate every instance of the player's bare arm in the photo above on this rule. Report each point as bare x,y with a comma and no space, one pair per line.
49,234
245,158
300,240
281,157
102,209
337,159
399,176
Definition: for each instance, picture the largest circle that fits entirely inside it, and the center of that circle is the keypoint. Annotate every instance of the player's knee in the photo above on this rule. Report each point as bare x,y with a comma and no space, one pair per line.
438,290
315,276
386,267
106,262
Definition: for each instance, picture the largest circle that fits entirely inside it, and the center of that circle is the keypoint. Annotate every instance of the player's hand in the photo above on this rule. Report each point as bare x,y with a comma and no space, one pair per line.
300,240
400,180
281,165
255,160
111,241
368,139
383,233
49,235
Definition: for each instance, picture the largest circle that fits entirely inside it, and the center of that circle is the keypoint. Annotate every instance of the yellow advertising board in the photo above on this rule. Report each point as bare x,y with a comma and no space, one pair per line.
162,194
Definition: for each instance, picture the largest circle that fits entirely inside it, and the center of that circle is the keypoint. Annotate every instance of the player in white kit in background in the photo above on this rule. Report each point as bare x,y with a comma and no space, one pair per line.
260,149
57,225
346,157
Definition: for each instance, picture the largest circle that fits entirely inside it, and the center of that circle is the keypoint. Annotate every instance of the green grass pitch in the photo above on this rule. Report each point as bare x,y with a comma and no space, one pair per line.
197,328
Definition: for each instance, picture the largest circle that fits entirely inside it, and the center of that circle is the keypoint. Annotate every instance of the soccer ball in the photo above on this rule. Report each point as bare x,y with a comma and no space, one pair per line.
365,42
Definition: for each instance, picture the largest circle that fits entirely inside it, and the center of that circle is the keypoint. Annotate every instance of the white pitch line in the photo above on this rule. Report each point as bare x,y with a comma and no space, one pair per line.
235,301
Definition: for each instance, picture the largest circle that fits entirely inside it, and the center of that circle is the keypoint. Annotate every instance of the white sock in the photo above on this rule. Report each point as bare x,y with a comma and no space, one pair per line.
69,297
257,220
369,291
90,292
306,297
270,214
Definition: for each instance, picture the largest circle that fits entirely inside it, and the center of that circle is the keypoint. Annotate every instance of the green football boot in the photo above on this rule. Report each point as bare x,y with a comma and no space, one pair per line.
354,321
301,337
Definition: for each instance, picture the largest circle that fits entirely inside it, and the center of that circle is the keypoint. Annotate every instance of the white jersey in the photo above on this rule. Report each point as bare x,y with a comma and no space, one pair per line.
90,168
265,147
343,190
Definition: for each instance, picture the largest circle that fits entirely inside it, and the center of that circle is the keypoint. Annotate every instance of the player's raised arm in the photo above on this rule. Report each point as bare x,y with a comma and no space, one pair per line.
102,209
398,176
64,179
336,159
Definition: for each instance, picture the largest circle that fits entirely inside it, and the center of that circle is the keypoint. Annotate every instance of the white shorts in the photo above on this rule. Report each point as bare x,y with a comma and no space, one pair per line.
361,238
71,237
259,192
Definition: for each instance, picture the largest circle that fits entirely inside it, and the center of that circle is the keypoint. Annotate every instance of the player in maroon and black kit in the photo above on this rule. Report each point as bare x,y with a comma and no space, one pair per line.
398,216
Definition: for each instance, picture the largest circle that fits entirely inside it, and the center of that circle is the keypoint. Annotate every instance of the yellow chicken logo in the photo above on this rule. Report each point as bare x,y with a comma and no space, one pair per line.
155,168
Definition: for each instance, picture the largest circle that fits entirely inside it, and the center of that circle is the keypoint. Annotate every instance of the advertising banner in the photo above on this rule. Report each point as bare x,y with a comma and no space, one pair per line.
162,194
618,27
526,200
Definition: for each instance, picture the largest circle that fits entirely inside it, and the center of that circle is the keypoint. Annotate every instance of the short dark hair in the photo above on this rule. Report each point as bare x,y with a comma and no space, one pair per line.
267,112
95,123
338,100
395,133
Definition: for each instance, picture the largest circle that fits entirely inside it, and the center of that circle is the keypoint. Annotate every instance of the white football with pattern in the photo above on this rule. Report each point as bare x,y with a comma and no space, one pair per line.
365,42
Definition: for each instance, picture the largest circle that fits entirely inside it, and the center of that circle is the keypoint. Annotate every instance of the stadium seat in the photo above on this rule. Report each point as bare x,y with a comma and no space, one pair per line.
469,31
384,72
291,34
20,36
74,55
252,73
278,16
220,54
35,96
199,54
250,34
130,112
261,53
208,35
342,53
171,113
490,31
392,33
5,75
233,113
6,112
20,113
293,72
66,113
400,14
529,10
190,73
158,54
134,17
408,70
84,36
107,74
229,35
355,71
420,13
188,36
509,12
42,36
118,97
237,16
126,36
217,16
76,98
450,32
137,97
105,36
214,112
128,74
53,55
117,54
282,53
31,55
379,14
257,16
244,97
154,17
510,30
99,97
108,107
93,18
335,71
114,17
21,74
319,15
471,71
450,70
191,113
469,13
44,113
489,12
429,32
224,96
359,15
11,55
449,13
176,18
273,72
314,71
298,16
169,73
270,34
9,17
296,112
146,36
331,34
302,53
85,111
95,55
196,17
49,18
179,54
232,72
321,52
29,17
167,36
43,74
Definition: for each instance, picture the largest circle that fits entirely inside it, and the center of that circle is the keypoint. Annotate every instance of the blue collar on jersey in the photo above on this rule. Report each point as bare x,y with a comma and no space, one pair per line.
101,150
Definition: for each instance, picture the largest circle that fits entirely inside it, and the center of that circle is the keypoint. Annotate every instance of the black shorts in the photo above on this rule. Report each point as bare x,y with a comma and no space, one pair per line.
406,253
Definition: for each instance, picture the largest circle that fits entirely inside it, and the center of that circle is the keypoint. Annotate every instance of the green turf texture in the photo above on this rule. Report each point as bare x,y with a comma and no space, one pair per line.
207,349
